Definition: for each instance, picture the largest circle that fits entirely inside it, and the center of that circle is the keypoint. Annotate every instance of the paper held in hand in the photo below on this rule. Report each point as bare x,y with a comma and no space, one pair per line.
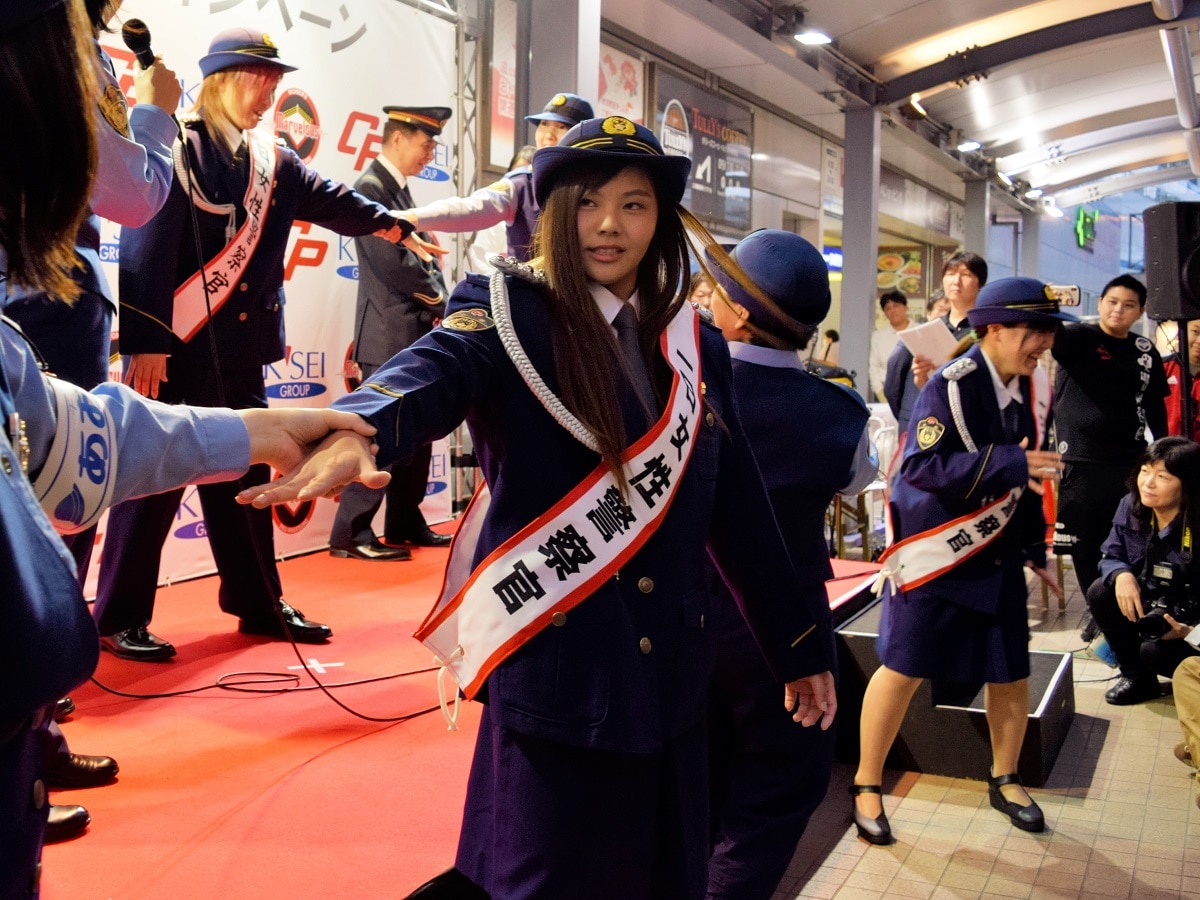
930,339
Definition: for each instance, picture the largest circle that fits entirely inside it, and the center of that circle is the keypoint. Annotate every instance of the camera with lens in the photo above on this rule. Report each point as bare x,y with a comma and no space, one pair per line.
1165,591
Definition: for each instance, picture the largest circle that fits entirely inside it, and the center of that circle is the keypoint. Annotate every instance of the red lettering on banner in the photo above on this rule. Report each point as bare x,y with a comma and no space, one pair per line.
370,146
124,72
305,252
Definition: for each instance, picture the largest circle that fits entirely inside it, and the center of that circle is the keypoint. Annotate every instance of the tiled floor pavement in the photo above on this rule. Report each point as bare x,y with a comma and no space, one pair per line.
1121,813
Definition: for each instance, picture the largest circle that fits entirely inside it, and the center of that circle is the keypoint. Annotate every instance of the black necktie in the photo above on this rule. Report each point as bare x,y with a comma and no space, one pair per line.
626,325
406,197
1012,422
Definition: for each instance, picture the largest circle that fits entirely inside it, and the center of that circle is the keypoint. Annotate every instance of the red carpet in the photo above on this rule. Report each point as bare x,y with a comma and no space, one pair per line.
238,795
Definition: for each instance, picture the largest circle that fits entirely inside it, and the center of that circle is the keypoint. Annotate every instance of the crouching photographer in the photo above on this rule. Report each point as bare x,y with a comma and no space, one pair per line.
1147,598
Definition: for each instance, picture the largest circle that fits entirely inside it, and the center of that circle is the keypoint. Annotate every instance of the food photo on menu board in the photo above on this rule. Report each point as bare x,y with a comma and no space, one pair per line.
902,270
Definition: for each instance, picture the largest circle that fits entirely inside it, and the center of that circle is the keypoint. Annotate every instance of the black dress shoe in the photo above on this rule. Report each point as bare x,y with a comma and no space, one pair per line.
302,631
138,644
874,831
1027,818
65,822
76,771
374,550
427,537
63,708
1128,691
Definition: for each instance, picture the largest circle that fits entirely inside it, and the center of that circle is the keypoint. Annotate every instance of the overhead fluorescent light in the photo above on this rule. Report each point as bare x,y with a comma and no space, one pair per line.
1003,177
1033,193
969,146
811,37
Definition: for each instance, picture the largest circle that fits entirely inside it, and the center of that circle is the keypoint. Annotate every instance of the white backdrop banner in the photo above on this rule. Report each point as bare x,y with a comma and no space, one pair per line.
330,111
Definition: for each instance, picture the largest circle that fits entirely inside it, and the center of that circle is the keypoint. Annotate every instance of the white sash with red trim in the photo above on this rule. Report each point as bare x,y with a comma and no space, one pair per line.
919,559
559,559
197,296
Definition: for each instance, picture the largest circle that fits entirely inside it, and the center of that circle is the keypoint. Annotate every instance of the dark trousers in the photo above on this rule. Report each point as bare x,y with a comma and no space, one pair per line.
242,538
1136,658
402,519
1087,501
23,808
74,341
767,774
547,820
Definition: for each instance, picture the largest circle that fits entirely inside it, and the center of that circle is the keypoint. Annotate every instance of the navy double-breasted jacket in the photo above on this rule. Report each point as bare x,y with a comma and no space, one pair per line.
160,256
941,480
627,670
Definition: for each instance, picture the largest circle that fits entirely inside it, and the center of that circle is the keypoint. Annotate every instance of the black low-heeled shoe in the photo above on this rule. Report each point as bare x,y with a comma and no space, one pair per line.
1027,818
874,831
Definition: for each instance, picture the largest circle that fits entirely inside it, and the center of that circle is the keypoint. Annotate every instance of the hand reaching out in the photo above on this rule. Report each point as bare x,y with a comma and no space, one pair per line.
341,458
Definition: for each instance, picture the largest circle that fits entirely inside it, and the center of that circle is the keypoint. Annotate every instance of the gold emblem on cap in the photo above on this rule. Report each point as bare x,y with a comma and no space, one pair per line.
929,432
267,40
617,125
1050,295
559,100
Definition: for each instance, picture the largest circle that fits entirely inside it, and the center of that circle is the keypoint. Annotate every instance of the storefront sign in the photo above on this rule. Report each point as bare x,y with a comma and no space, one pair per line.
716,134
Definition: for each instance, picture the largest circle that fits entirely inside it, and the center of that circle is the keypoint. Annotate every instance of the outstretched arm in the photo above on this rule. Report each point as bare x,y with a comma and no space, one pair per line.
341,458
284,437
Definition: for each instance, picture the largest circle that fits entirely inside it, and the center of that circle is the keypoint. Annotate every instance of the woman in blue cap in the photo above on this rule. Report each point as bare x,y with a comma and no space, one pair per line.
201,293
576,604
967,517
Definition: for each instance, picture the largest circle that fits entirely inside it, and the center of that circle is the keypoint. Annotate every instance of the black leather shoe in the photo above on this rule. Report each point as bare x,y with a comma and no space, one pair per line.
137,644
77,771
63,708
66,822
301,629
1128,691
374,550
1027,818
874,831
427,538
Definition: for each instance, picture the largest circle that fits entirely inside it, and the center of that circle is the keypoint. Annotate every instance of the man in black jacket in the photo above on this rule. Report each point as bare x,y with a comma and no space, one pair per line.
400,296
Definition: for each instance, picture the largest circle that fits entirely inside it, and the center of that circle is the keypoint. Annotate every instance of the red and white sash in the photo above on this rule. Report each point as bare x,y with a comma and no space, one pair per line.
196,296
559,559
919,559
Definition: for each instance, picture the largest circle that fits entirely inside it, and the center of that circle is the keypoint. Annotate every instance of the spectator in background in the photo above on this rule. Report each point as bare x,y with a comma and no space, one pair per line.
828,350
1174,384
937,305
700,292
962,276
1110,388
894,306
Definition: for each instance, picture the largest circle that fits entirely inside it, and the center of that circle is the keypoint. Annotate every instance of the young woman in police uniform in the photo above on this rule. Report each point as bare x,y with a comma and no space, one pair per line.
611,468
967,517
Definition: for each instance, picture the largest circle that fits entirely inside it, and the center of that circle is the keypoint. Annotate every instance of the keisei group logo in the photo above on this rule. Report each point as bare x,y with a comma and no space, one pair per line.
297,123
300,375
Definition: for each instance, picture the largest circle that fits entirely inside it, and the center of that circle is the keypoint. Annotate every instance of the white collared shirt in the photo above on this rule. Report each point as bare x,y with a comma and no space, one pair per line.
1005,393
610,304
400,177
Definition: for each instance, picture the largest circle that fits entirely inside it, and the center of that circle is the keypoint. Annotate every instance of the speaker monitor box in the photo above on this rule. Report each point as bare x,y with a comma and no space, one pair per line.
953,740
1172,239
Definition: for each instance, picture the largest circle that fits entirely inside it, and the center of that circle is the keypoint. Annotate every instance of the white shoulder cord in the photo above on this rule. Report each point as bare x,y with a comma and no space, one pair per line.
516,353
952,373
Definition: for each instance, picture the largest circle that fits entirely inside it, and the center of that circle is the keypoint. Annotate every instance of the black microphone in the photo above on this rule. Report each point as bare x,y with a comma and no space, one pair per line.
136,36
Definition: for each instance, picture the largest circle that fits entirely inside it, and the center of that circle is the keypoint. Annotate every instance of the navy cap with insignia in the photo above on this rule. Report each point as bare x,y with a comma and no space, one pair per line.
605,140
15,13
790,271
1013,301
569,109
430,119
241,47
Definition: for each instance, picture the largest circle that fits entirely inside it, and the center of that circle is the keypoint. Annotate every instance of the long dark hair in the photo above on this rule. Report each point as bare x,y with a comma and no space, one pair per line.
1181,457
47,91
578,330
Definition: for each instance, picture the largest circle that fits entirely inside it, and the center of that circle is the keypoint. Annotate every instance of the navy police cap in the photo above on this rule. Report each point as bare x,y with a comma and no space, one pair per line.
15,13
793,275
569,109
241,47
1012,301
606,140
430,119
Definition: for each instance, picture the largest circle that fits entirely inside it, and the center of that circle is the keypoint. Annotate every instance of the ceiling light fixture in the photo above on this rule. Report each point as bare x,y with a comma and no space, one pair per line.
1033,193
1008,182
806,34
969,146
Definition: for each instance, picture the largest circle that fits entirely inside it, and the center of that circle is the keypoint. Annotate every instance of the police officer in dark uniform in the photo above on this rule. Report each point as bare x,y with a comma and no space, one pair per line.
767,776
245,192
401,295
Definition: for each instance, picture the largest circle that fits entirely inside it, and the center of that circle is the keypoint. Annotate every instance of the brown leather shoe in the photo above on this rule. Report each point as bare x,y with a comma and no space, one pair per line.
1183,753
